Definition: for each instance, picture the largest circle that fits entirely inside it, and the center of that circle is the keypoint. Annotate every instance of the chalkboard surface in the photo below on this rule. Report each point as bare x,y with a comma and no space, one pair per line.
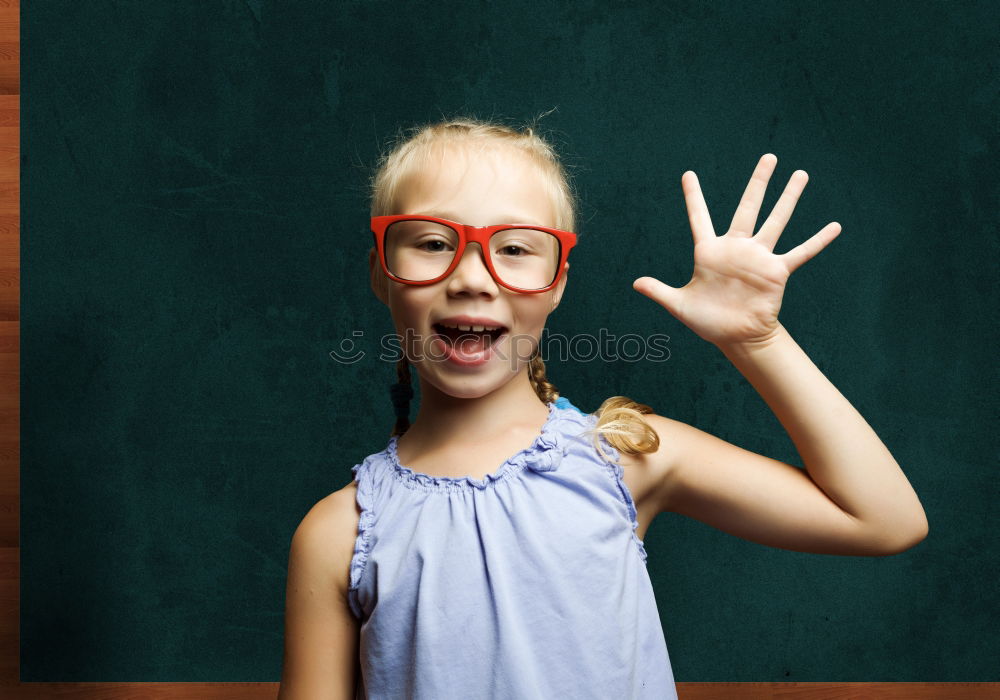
193,247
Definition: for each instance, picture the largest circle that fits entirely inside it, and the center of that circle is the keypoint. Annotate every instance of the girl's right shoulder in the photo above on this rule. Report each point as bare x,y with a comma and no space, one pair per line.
336,526
327,533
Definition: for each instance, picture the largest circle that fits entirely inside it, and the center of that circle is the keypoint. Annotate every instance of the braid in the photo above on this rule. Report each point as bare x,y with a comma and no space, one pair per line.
545,389
401,393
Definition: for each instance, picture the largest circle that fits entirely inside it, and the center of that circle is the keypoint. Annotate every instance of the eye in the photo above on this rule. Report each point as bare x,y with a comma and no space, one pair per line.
435,246
514,248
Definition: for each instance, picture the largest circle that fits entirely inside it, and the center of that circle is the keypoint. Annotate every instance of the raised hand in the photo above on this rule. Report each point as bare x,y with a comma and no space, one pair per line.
735,292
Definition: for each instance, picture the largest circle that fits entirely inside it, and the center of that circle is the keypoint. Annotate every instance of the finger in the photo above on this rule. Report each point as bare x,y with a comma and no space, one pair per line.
804,251
701,222
782,212
664,295
745,219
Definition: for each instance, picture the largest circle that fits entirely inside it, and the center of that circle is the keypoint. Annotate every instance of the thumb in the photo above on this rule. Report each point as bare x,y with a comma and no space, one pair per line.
666,296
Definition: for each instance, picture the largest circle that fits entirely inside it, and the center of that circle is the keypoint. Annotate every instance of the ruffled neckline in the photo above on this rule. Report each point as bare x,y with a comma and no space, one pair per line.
543,454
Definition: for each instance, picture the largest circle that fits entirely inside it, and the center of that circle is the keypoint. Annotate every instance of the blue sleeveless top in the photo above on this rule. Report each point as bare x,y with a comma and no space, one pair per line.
529,583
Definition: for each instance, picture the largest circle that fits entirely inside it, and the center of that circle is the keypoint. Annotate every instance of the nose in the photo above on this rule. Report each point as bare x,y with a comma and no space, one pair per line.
471,273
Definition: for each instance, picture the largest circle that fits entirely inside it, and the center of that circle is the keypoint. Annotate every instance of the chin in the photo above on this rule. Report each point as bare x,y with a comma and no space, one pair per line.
472,387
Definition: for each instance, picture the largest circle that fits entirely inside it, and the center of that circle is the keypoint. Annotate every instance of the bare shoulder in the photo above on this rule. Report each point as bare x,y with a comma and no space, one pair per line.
327,534
650,477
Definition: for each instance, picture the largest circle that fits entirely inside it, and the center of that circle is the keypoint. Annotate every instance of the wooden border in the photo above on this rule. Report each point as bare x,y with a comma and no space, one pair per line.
10,573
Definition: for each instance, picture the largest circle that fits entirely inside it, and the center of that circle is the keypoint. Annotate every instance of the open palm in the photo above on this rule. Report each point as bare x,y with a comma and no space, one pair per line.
735,292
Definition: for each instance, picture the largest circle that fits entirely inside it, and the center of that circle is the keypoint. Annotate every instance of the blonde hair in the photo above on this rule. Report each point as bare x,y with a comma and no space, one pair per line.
619,419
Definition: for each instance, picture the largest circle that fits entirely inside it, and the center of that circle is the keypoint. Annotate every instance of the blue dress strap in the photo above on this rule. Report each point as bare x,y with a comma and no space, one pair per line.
563,402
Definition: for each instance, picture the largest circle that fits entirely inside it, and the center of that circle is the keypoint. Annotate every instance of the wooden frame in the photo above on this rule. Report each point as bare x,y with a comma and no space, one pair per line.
10,685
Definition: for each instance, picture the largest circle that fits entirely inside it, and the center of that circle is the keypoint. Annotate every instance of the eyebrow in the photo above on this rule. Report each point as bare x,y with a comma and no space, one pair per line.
505,219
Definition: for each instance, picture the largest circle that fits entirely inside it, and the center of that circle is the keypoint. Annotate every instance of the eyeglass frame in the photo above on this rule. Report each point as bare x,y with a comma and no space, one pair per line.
471,234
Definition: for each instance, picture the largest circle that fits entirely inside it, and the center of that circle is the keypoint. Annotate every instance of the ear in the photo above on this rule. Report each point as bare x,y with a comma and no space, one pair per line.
557,296
378,278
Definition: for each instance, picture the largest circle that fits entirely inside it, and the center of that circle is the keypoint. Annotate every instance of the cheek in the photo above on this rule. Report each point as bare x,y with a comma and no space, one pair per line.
531,317
407,303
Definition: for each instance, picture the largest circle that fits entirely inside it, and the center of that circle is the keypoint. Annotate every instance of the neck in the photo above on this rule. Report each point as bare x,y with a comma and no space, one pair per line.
443,418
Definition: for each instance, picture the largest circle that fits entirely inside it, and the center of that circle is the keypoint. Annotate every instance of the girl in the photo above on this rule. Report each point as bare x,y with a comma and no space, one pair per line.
493,548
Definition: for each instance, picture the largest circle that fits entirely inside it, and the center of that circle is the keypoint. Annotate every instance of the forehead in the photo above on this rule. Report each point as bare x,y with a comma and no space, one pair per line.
476,183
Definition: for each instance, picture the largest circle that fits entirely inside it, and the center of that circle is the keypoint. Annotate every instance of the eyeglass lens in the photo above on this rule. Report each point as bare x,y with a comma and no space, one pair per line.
422,250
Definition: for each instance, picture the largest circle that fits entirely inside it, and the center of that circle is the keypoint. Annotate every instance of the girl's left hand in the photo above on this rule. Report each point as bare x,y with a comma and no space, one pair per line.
735,292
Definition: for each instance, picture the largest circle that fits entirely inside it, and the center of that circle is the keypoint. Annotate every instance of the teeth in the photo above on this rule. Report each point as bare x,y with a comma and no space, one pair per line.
476,329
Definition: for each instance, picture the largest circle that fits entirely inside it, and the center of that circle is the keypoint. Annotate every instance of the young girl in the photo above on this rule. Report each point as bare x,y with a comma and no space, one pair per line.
493,548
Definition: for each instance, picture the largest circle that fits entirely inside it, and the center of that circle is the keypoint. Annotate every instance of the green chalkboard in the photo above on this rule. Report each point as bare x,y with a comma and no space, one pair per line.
194,242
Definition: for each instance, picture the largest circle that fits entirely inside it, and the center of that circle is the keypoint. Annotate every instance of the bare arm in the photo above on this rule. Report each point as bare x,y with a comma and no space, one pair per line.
321,633
842,454
852,499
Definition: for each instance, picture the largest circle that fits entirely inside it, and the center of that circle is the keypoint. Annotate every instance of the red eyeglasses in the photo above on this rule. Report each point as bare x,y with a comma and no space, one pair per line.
424,249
